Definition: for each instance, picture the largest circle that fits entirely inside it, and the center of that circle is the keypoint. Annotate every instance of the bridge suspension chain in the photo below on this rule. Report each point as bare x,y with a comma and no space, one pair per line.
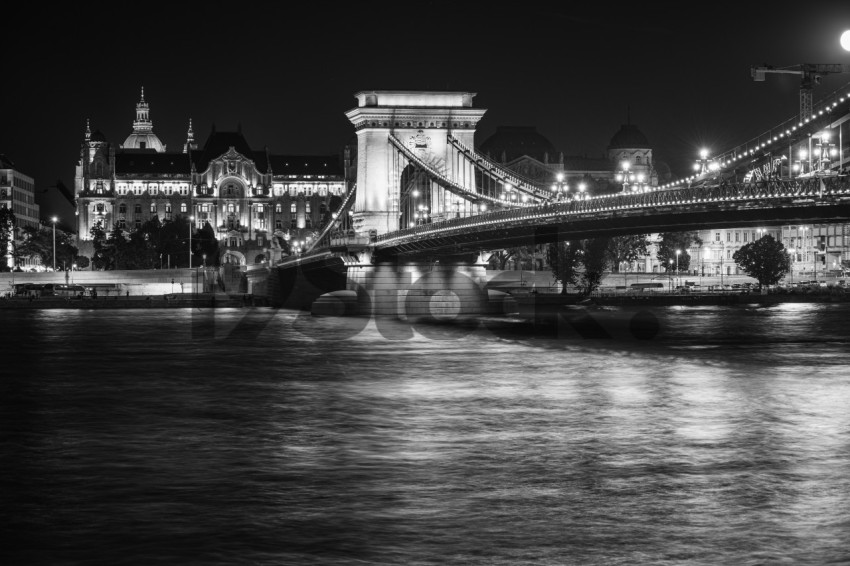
525,186
444,181
337,217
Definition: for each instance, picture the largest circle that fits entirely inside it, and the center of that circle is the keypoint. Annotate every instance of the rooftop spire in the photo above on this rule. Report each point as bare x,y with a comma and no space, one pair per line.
190,139
143,123
88,130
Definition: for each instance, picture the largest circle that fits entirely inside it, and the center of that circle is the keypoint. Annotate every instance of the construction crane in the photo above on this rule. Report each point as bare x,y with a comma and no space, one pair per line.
810,75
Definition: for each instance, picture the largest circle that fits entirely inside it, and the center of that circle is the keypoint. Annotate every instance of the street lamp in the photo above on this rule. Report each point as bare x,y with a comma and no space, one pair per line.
624,176
704,164
191,219
54,219
677,266
824,151
581,194
801,165
560,188
422,214
671,266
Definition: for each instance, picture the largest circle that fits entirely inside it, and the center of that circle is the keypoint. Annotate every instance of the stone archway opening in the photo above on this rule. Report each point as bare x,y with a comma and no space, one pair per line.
233,257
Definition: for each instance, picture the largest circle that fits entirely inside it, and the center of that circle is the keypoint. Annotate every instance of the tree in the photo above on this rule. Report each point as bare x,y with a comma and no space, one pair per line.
520,254
7,236
765,259
669,242
99,258
564,259
39,242
628,248
116,249
175,241
208,245
595,259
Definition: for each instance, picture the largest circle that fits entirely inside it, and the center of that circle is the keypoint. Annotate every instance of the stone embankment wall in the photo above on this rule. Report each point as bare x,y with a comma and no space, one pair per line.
120,283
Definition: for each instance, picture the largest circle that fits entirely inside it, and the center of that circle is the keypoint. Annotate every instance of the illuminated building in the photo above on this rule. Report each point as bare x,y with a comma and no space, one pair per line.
254,200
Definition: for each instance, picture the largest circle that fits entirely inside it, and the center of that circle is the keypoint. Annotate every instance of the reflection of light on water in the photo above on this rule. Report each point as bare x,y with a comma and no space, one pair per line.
706,403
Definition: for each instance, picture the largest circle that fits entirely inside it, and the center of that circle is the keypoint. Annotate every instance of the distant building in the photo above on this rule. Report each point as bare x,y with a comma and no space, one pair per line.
254,200
531,155
17,192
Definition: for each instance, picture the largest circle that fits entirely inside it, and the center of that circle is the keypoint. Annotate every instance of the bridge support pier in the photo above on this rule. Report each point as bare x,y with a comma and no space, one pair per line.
442,288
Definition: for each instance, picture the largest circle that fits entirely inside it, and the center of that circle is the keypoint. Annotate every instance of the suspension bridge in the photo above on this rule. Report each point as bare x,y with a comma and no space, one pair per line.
423,193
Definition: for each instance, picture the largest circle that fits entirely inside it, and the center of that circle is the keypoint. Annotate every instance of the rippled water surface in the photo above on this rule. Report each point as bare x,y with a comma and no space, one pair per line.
713,435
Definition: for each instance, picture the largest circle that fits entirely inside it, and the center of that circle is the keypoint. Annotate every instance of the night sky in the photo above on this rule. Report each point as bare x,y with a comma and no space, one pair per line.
288,73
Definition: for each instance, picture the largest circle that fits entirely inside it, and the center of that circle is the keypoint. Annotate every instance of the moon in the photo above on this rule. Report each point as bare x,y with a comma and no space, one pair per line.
845,40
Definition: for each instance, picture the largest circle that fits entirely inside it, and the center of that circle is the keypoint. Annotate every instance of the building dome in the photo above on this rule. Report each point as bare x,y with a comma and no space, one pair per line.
143,136
628,137
511,142
146,140
98,136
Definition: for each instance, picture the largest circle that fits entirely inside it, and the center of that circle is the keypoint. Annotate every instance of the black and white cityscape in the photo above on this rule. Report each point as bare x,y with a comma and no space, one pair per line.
432,284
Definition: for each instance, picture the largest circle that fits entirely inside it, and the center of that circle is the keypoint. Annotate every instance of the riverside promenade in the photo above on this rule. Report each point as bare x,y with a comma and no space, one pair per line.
187,300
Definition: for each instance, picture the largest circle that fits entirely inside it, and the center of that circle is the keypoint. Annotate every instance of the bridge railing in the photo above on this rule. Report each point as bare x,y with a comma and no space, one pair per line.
807,188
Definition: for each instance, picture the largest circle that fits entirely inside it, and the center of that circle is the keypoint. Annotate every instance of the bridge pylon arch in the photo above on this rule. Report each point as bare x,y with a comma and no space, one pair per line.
422,121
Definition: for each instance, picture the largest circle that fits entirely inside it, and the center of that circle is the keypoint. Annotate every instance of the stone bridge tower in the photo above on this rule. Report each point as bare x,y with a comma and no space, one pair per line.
422,121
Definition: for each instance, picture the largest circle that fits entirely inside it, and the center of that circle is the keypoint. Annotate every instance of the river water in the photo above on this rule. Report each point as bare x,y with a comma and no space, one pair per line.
698,435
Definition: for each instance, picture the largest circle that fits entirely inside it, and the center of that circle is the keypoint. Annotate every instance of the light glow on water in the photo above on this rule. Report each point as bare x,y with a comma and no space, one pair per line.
252,436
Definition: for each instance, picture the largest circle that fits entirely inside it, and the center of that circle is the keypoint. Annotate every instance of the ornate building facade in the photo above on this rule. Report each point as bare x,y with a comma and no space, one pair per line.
255,201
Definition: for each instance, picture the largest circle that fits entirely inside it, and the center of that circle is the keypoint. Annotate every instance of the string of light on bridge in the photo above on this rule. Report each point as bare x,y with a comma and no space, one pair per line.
730,158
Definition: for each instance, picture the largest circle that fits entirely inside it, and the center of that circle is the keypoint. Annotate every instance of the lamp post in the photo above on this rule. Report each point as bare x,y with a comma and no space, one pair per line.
803,242
677,267
422,214
191,219
670,261
560,188
54,219
824,151
625,176
581,194
800,164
